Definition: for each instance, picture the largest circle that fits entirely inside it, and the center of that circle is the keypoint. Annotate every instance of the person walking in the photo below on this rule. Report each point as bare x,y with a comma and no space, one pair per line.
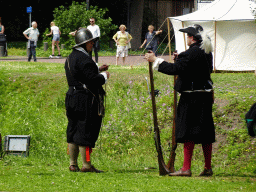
55,31
122,39
84,100
194,122
32,35
151,39
95,30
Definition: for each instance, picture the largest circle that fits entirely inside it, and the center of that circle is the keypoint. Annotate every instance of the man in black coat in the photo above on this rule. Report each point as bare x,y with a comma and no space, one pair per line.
84,100
194,122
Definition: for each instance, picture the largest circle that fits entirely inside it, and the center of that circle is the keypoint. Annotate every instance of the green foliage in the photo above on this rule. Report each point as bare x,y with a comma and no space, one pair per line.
75,16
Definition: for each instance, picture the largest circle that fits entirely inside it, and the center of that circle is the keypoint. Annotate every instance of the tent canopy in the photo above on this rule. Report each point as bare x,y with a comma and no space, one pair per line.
232,29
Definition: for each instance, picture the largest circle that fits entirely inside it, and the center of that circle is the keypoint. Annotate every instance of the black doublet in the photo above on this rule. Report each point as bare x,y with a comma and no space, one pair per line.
81,105
194,120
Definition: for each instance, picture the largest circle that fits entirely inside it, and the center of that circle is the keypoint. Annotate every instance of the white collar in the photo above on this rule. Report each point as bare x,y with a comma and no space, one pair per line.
82,50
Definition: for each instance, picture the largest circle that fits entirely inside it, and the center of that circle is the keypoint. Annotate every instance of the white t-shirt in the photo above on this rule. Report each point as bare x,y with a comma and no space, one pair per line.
95,30
55,30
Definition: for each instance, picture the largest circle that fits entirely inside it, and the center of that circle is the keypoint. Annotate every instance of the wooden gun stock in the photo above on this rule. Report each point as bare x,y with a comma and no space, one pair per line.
163,170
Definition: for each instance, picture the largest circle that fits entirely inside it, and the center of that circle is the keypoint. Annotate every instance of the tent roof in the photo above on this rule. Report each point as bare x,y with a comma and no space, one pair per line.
221,10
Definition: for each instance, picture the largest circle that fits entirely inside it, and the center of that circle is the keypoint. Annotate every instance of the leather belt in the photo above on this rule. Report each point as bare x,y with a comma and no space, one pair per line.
199,91
78,87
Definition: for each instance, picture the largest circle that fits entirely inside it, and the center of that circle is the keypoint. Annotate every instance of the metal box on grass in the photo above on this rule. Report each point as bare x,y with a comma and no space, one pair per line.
17,144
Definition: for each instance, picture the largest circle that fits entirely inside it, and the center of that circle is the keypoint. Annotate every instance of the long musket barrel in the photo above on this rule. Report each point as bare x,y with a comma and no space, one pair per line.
170,164
163,170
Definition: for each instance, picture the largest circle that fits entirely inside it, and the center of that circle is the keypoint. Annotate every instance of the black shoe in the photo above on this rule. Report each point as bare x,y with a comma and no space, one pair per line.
74,168
206,173
91,169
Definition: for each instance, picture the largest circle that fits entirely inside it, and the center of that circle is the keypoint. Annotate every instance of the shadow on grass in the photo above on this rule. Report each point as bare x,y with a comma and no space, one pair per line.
150,170
43,174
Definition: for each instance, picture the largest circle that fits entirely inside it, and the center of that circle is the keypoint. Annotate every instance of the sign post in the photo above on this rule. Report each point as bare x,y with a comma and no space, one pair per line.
29,11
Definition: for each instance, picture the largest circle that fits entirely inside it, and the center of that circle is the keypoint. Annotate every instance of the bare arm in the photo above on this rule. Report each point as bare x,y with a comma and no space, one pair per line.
26,36
115,39
145,41
158,32
73,33
2,31
49,33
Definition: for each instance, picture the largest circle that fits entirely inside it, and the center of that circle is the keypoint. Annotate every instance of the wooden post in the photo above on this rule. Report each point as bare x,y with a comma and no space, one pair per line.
45,46
184,37
1,51
28,50
215,40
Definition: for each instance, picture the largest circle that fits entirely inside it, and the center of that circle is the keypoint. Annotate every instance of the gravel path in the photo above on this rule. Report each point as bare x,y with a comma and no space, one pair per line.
130,60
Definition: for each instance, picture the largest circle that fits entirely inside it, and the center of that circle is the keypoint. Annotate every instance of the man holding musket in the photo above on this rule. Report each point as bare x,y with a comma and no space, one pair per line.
194,122
84,100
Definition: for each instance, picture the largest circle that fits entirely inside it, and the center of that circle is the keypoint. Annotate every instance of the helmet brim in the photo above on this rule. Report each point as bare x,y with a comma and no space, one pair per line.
92,39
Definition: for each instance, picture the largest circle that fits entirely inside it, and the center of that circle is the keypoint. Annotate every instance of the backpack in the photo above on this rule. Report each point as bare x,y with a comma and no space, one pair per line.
250,118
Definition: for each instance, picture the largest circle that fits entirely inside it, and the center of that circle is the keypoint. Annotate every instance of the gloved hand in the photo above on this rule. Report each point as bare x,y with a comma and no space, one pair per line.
104,67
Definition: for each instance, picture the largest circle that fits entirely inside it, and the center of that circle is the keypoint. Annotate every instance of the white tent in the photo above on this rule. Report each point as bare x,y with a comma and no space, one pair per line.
232,28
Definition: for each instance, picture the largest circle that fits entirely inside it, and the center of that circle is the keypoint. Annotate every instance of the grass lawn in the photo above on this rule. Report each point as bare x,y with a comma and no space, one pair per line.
32,103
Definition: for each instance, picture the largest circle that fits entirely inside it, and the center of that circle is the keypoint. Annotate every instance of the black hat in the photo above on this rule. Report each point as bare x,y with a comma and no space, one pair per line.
83,36
194,31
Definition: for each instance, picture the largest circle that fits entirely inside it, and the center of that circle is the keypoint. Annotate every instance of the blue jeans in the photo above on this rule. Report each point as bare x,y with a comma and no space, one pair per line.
32,51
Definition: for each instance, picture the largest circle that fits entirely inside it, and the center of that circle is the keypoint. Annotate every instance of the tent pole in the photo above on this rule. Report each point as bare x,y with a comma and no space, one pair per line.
184,37
215,36
169,38
170,164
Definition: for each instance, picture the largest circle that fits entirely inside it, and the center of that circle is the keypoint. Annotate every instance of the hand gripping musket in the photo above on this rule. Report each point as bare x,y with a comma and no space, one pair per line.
163,170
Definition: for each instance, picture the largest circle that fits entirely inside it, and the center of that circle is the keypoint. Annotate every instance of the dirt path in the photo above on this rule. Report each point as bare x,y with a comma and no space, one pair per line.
130,60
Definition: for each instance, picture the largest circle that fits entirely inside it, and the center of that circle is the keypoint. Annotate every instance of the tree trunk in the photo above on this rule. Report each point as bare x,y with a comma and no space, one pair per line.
137,8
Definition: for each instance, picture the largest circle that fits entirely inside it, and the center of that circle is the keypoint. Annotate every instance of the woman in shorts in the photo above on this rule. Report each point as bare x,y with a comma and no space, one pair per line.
122,39
55,31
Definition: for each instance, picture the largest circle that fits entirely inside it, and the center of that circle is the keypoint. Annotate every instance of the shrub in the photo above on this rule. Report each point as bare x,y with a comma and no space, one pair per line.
75,16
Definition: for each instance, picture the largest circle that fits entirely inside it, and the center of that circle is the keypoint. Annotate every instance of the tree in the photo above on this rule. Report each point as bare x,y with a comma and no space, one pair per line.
76,15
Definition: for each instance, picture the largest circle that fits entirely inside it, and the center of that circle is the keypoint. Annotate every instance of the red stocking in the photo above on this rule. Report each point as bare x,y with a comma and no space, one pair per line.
207,148
88,153
188,152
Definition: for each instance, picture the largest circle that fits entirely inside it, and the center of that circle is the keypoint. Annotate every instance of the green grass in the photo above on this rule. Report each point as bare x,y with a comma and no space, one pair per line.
32,103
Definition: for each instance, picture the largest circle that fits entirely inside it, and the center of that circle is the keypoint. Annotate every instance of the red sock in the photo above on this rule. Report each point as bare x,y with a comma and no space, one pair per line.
88,153
188,152
207,149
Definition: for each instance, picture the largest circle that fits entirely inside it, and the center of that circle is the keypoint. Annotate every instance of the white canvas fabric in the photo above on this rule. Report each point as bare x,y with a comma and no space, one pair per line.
232,28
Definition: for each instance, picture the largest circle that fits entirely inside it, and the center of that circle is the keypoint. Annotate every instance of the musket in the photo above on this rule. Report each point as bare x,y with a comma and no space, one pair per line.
163,169
170,164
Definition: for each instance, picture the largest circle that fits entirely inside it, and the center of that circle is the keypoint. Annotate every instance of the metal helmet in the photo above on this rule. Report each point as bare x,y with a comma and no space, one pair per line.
83,36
